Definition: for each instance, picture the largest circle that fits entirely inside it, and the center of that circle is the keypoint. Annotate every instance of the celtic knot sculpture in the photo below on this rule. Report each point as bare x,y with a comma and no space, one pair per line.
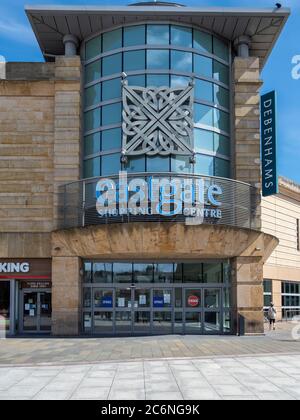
157,121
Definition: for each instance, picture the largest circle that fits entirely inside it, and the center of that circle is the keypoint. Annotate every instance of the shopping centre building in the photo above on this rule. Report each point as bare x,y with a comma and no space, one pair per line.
130,175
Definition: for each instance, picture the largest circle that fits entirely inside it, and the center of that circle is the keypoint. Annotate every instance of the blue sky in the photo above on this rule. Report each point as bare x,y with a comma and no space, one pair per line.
17,43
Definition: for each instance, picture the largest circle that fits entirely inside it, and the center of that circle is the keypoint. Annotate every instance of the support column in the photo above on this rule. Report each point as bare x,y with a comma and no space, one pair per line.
246,153
247,293
66,295
276,297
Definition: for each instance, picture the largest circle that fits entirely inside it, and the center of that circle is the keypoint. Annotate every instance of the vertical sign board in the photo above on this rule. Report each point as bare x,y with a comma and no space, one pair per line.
268,144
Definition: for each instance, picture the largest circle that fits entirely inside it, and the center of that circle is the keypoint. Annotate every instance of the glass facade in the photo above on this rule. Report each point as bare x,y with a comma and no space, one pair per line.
156,298
157,55
290,299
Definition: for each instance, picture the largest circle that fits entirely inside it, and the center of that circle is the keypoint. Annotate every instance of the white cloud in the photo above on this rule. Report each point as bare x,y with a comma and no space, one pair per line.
17,31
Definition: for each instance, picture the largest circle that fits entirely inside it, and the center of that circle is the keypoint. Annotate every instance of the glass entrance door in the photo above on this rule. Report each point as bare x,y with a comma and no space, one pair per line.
36,311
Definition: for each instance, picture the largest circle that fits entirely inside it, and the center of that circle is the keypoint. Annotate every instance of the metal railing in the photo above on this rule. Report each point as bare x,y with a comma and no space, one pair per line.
77,202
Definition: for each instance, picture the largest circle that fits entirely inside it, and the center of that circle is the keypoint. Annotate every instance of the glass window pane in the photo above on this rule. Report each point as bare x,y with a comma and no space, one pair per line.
103,322
203,115
138,80
158,80
181,36
221,49
192,272
193,324
221,96
136,164
92,119
267,300
203,66
181,164
142,298
221,144
111,139
222,168
87,268
179,81
203,140
158,59
212,298
122,272
178,323
212,272
204,165
93,47
203,90
221,72
112,40
92,144
178,273
111,64
111,164
162,298
158,164
134,35
134,60
226,297
93,95
221,120
143,273
158,34
111,114
178,297
212,322
111,89
91,167
102,272
86,297
163,273
103,298
90,192
226,272
93,71
202,41
87,322
181,61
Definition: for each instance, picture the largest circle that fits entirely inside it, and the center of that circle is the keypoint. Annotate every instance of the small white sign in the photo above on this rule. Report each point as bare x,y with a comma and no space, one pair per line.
167,298
31,312
121,302
142,299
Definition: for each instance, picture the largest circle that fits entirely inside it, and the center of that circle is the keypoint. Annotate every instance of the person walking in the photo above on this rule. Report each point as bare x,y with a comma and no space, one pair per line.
272,316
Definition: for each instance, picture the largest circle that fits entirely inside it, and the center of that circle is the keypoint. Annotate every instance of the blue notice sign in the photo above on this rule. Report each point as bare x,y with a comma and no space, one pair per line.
268,144
158,301
107,302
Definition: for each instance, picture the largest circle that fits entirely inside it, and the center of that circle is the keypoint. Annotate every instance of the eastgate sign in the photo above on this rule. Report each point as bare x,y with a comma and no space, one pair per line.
165,196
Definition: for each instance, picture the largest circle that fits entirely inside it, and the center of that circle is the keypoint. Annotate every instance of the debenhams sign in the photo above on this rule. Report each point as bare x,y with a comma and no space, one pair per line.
165,196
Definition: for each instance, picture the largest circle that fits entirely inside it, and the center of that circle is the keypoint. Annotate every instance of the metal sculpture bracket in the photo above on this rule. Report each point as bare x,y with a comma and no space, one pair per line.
157,121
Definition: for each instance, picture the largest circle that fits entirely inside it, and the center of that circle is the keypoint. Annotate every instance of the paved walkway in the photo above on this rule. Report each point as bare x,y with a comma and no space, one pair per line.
30,351
256,377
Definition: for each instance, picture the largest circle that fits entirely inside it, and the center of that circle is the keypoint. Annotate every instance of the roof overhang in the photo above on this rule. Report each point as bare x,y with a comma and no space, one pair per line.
51,23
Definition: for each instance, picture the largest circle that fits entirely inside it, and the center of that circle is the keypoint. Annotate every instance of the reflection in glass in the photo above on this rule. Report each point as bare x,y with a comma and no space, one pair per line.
221,49
192,272
143,273
93,95
222,168
211,298
212,273
181,36
158,34
158,59
202,41
111,89
203,90
92,71
123,298
158,80
111,64
162,322
92,119
181,61
122,272
138,80
221,144
179,81
212,322
158,164
87,322
102,272
221,120
123,322
204,165
226,322
203,115
111,114
178,297
87,268
103,322
91,167
134,35
93,47
141,322
203,65
134,60
86,297
193,324
178,323
112,40
221,96
163,273
203,140
226,297
92,144
177,273
111,139
136,164
221,72
110,164
181,164
103,298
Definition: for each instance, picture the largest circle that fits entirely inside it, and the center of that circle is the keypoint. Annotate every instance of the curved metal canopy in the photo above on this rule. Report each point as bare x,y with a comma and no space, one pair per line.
51,23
